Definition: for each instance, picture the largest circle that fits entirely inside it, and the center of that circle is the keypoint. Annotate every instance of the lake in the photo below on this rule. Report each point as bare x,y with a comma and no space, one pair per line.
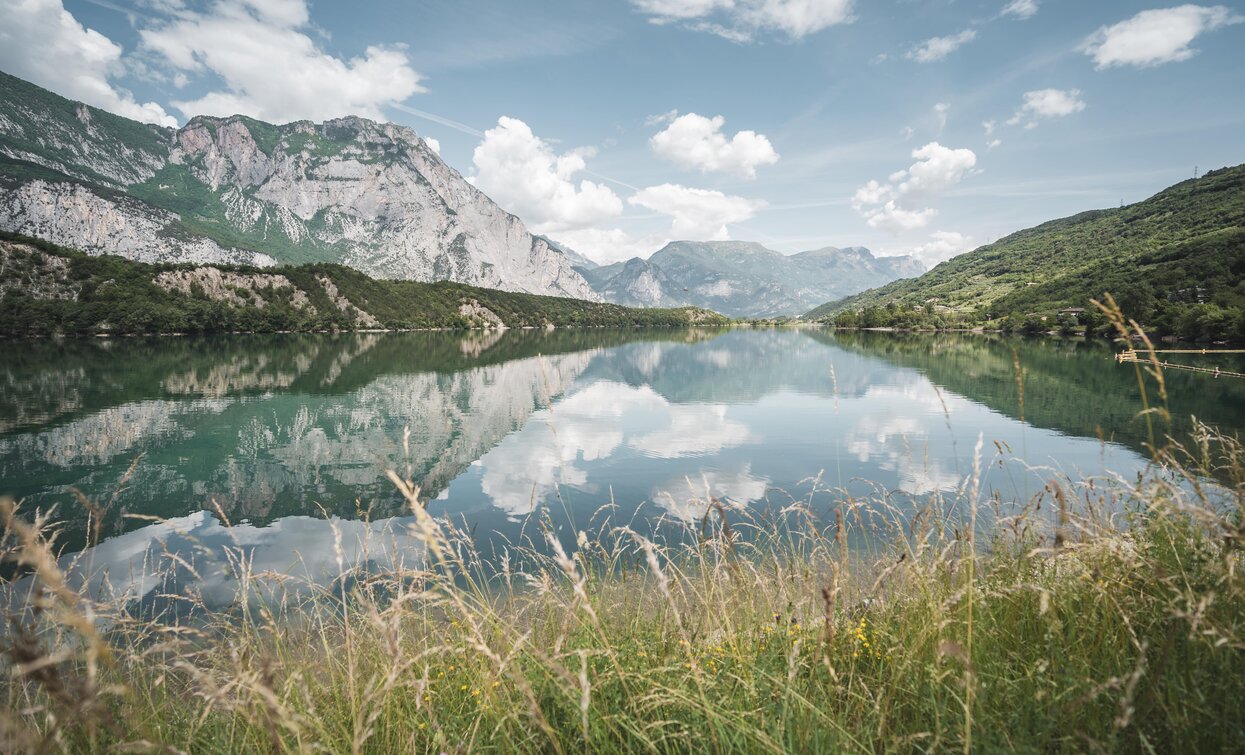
286,439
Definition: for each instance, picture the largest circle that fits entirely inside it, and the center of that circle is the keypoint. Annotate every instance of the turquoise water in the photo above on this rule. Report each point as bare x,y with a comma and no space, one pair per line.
287,438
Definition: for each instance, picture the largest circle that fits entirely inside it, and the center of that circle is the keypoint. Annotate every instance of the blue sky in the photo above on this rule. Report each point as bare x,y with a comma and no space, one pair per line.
615,125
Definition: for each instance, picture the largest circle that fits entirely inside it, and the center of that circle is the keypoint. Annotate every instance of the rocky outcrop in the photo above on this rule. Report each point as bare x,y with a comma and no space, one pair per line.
235,190
35,274
242,289
358,316
480,316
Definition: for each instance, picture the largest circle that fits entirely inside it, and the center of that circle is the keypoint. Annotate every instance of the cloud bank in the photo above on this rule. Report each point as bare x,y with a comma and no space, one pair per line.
270,68
43,43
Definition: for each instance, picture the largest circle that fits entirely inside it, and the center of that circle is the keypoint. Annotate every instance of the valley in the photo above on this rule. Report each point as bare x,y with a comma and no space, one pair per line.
659,376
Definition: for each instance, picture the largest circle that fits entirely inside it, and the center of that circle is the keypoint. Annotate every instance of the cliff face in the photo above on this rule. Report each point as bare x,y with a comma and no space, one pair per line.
99,222
234,190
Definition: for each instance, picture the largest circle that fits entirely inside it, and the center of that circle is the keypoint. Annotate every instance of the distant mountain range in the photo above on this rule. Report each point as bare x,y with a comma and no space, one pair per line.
742,279
1175,261
371,196
350,191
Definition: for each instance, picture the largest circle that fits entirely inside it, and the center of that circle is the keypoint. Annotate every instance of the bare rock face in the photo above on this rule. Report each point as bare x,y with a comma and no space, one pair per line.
98,222
480,315
375,197
342,303
235,190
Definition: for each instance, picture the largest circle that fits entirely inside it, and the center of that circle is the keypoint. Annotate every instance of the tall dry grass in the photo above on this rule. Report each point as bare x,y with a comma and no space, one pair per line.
1101,615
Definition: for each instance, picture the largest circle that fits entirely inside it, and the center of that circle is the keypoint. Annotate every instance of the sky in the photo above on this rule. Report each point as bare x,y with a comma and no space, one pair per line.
924,127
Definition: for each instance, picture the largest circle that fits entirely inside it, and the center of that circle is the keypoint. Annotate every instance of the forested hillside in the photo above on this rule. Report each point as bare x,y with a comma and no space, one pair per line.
1175,262
46,289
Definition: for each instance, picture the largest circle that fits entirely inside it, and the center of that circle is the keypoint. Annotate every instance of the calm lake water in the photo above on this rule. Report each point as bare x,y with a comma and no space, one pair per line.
288,437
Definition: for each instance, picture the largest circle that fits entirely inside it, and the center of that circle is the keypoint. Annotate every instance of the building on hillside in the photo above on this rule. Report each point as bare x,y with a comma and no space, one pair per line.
1073,315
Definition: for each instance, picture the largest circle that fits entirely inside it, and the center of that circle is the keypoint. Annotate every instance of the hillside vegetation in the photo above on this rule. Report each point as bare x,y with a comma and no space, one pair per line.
46,290
1175,262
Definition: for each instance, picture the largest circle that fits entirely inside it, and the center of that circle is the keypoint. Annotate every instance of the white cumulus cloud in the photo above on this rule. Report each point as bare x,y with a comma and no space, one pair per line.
694,141
937,48
741,20
894,205
1154,37
43,43
1022,9
696,214
271,68
521,172
937,168
671,10
891,217
1047,103
942,246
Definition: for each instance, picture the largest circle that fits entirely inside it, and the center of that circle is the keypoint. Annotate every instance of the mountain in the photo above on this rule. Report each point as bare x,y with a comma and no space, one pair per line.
49,290
1174,262
368,195
743,279
578,261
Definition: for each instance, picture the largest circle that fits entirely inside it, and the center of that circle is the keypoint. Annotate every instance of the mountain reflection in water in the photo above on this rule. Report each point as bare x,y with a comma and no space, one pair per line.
289,437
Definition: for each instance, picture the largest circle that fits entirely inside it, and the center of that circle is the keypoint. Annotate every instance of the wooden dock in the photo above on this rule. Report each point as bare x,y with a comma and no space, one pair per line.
1133,356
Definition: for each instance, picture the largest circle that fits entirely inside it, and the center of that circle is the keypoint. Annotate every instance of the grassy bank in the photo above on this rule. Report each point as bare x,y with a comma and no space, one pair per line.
1101,615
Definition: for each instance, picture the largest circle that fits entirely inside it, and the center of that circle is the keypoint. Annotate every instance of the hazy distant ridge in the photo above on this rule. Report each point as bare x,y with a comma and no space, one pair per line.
744,279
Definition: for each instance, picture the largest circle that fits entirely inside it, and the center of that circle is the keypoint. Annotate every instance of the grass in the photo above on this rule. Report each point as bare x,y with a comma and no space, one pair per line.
1102,615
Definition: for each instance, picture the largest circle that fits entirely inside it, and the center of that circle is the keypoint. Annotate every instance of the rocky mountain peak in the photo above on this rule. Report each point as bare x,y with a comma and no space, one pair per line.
350,190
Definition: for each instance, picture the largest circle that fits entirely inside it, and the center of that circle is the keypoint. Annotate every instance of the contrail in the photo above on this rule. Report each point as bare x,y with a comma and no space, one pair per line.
129,12
437,119
623,184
